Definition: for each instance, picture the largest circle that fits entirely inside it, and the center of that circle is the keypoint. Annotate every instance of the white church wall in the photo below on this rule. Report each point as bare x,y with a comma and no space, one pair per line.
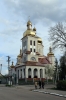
19,68
38,71
40,49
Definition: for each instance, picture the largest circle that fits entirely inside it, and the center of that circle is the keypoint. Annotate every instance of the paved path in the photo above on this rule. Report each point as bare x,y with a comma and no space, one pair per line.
46,90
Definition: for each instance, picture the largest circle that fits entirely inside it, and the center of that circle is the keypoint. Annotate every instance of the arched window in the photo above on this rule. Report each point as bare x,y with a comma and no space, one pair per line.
35,73
29,73
41,73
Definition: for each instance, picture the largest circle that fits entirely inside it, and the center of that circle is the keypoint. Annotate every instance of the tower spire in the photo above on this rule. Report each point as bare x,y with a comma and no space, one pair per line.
29,24
20,50
34,29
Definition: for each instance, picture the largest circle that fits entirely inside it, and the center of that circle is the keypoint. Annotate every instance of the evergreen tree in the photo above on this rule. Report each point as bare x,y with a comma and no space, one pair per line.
62,72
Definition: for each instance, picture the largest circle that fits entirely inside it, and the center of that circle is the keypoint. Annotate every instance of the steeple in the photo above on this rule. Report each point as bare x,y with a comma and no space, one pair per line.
12,63
50,49
20,51
12,66
34,29
29,25
20,55
29,30
50,52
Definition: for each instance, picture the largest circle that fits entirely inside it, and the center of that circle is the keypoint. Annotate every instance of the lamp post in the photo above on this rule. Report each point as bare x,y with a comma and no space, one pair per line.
0,71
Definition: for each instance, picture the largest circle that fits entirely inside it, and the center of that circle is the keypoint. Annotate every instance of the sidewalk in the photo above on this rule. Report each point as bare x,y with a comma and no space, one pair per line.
48,90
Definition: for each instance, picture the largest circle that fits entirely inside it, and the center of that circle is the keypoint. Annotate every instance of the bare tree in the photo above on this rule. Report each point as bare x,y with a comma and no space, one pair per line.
58,35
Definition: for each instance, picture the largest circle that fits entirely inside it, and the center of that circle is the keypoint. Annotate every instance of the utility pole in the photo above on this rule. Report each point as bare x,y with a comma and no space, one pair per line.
8,63
65,58
0,68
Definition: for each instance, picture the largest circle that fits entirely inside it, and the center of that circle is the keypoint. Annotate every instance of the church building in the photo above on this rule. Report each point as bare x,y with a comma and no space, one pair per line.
32,64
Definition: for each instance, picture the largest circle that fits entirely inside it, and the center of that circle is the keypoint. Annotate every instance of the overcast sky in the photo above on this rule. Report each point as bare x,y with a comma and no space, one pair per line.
14,15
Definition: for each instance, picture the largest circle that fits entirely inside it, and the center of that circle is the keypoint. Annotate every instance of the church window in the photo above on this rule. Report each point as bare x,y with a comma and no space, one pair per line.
24,50
34,50
24,59
30,42
24,72
24,43
18,74
21,73
34,43
31,49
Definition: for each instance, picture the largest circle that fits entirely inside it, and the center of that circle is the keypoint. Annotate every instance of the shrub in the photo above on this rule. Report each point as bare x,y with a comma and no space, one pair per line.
8,85
61,85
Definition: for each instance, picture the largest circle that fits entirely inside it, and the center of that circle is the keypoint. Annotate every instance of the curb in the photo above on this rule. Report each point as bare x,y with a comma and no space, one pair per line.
45,92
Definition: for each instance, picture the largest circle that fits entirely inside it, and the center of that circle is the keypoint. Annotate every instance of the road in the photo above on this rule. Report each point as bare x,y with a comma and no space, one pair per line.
24,93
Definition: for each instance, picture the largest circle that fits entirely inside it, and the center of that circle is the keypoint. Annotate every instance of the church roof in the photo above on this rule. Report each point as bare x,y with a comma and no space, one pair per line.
41,62
44,60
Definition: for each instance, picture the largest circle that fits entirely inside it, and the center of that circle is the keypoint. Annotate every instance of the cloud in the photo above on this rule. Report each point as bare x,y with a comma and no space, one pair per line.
4,21
43,13
4,72
52,10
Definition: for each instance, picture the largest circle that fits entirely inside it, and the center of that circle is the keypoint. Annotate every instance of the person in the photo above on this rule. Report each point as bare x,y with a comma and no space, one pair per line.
43,83
0,81
39,84
35,85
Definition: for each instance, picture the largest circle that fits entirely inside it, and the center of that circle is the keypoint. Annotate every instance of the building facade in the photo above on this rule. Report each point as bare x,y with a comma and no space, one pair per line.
31,62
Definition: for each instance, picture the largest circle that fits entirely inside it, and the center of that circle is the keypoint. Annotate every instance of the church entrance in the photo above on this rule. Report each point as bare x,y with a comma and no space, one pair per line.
35,73
29,73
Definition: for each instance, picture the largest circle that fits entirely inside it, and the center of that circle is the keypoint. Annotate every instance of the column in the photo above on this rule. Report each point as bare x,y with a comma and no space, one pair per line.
43,72
26,71
32,74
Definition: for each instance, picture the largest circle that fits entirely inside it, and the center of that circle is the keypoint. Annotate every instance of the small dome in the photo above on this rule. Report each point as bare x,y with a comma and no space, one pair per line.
19,56
39,39
34,29
29,23
50,52
12,66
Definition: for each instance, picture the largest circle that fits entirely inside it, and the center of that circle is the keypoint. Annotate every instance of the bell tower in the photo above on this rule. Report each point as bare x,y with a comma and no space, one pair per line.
51,56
